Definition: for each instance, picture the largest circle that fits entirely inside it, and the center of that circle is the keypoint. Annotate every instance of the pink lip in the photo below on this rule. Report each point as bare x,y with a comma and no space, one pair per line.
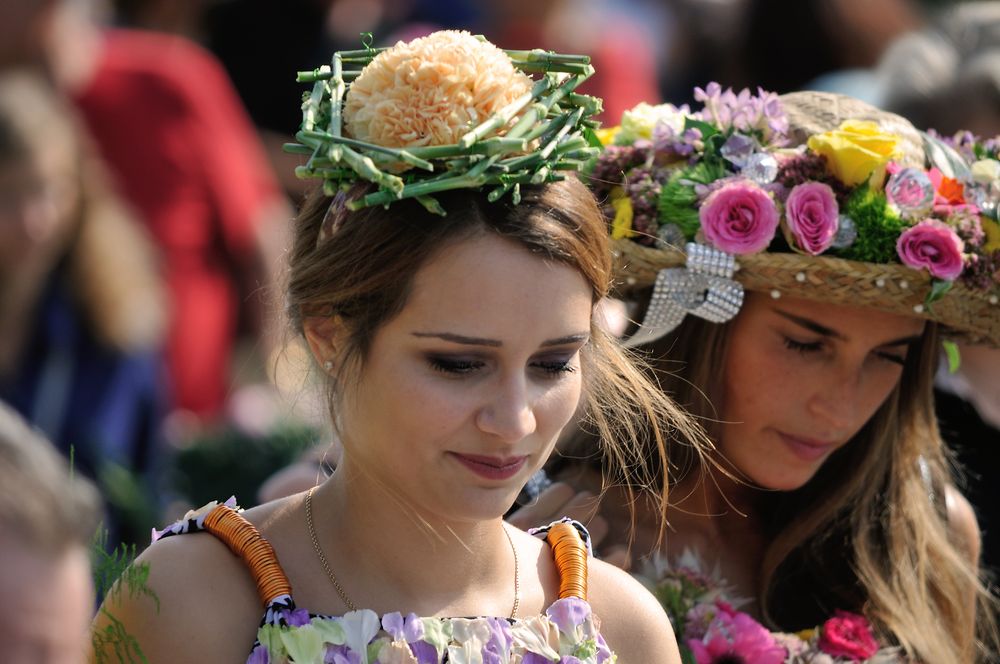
491,468
805,448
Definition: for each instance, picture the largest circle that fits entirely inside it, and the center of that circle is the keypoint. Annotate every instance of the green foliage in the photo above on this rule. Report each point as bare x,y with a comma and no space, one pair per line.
953,354
878,228
230,462
116,573
678,198
939,288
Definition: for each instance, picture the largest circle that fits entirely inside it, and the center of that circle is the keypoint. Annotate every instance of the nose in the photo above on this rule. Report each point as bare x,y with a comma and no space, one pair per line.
835,400
508,413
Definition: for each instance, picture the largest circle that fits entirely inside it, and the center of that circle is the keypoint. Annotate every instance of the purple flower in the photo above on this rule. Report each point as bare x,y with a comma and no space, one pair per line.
296,618
568,614
733,637
534,658
497,648
424,652
739,218
933,245
341,655
259,656
812,212
409,629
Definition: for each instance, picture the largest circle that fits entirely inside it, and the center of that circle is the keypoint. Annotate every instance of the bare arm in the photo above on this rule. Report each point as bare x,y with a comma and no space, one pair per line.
201,606
632,621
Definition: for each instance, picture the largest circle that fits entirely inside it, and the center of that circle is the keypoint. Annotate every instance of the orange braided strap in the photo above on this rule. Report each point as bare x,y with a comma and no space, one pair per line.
571,560
243,539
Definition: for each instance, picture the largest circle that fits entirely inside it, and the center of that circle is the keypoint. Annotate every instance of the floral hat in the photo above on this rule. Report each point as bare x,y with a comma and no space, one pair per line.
812,195
445,111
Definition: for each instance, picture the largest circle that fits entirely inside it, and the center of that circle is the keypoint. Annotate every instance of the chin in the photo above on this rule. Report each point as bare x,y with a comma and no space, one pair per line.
789,481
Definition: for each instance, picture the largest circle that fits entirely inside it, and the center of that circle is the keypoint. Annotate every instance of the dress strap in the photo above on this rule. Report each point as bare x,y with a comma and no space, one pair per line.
225,522
243,539
570,544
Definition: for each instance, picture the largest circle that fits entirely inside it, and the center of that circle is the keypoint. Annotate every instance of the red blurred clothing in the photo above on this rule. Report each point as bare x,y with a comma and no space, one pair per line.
172,129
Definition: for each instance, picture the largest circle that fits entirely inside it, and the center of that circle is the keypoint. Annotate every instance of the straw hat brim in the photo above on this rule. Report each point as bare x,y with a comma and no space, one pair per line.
965,314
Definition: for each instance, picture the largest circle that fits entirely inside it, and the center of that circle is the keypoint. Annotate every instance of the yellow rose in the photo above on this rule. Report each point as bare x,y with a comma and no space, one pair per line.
991,230
621,227
607,134
856,150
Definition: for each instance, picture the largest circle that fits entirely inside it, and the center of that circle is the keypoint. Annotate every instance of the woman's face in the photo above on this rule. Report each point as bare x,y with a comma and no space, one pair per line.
464,393
37,197
801,379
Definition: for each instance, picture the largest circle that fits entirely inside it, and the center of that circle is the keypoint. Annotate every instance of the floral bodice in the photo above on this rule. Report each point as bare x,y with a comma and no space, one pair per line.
711,630
567,633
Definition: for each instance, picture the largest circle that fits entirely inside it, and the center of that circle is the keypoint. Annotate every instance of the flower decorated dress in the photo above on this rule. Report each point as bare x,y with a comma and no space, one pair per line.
567,633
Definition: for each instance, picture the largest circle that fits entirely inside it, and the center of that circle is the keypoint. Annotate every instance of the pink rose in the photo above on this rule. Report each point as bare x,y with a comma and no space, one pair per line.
848,635
733,636
812,212
932,244
739,218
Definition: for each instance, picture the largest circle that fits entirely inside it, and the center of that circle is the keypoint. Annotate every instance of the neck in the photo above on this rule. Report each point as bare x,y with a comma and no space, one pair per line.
717,506
391,557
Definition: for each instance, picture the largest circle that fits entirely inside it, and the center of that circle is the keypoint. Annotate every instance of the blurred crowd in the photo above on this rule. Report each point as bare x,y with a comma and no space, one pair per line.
145,199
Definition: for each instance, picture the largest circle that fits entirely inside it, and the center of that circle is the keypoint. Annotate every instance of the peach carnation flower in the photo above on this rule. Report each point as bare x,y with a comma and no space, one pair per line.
431,91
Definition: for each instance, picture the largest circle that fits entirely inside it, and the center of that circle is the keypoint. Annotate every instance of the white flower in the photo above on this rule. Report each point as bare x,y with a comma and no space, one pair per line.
640,121
985,170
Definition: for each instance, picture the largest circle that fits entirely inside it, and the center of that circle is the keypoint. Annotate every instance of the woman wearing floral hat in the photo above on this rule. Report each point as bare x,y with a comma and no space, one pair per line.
809,258
446,288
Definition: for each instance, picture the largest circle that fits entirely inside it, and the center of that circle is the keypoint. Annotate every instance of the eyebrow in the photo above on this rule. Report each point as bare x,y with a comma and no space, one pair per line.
494,343
827,332
810,325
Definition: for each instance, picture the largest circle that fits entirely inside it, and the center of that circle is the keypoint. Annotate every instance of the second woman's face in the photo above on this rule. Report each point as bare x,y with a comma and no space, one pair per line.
801,379
464,393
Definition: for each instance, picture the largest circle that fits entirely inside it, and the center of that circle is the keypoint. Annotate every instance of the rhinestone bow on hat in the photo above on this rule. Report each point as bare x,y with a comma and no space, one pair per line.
703,288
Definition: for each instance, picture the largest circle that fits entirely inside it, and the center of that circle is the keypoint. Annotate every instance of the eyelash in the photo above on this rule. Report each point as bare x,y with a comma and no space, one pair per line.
812,347
465,367
802,347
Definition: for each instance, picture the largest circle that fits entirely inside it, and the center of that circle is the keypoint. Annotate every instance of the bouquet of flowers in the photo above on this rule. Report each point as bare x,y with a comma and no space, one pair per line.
725,176
711,630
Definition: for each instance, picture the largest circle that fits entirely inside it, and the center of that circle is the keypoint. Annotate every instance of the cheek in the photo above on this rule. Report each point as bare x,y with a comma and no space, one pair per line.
558,405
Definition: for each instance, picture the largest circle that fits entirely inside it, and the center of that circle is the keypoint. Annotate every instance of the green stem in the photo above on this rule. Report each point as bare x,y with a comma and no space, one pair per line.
540,55
337,90
395,153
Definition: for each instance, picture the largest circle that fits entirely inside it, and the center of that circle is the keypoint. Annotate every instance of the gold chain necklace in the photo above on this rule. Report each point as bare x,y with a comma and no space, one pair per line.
347,600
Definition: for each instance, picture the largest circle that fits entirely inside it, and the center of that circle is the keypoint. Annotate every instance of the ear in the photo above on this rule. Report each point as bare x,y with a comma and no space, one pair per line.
325,336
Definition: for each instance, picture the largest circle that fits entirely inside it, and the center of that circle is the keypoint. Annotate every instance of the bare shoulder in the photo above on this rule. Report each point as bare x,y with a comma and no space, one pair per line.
962,522
194,590
632,621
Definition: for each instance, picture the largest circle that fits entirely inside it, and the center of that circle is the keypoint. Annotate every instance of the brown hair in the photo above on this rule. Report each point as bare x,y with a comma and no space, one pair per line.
362,272
869,532
43,505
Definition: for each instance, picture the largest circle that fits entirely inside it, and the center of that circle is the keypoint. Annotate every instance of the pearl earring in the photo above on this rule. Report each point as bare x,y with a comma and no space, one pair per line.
328,366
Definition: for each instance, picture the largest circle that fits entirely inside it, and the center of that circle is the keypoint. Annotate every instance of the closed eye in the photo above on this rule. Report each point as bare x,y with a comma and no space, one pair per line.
802,346
891,357
455,367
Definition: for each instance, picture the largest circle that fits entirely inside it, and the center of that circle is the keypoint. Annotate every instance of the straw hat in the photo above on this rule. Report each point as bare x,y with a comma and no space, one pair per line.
710,282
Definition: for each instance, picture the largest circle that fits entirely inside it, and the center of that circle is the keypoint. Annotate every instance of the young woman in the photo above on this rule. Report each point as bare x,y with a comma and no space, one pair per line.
803,327
455,337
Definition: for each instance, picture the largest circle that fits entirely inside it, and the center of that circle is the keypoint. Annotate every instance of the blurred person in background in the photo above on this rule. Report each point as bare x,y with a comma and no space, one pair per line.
811,45
183,153
47,518
82,306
